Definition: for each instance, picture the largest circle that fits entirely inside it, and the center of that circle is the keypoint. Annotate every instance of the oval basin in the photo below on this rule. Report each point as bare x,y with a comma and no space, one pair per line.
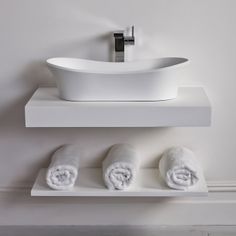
143,80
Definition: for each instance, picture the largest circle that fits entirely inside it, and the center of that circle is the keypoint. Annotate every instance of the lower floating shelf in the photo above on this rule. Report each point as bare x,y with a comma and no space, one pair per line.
90,184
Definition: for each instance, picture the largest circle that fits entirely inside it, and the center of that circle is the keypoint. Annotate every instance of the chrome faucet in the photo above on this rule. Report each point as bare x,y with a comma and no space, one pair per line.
120,41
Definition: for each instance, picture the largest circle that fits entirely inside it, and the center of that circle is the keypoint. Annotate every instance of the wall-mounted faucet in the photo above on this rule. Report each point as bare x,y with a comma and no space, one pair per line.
120,41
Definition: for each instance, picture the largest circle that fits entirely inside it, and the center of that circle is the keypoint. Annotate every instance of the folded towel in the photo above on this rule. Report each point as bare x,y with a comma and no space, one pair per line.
179,168
63,169
120,166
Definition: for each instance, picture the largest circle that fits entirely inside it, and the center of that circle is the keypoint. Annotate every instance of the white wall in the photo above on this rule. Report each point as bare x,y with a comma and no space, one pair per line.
31,31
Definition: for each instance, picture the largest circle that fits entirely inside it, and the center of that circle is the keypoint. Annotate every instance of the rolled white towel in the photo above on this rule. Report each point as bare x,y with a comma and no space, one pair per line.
63,169
179,168
120,166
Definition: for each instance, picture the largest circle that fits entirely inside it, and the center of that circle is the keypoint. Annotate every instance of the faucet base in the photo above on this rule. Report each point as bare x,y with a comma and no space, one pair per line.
119,57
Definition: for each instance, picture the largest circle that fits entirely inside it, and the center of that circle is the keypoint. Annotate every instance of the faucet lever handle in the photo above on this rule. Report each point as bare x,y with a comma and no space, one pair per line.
130,40
132,30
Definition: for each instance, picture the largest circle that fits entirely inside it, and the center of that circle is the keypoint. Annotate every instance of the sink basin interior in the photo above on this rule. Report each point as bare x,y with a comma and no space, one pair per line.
89,66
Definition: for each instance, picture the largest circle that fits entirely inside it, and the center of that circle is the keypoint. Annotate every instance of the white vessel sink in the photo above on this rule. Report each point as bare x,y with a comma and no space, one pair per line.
144,80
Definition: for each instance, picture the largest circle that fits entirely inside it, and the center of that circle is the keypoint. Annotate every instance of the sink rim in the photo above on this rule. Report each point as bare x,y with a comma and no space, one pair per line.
176,61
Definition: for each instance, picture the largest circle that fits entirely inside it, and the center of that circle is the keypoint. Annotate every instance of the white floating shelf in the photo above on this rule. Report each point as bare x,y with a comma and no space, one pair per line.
90,184
190,108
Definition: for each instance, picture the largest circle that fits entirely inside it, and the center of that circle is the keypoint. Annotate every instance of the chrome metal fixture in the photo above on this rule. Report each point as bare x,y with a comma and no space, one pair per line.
120,41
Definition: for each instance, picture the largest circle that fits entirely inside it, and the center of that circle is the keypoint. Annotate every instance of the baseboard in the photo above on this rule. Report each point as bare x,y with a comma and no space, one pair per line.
222,186
17,207
117,230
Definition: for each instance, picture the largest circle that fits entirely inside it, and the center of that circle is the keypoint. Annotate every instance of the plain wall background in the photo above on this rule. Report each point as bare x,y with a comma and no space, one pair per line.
32,31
